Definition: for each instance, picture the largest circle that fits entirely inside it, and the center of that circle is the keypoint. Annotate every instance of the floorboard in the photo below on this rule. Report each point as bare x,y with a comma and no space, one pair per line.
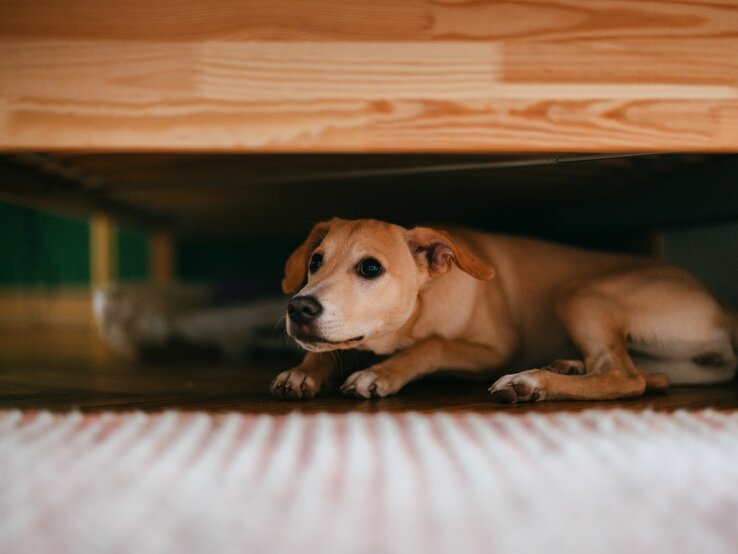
73,370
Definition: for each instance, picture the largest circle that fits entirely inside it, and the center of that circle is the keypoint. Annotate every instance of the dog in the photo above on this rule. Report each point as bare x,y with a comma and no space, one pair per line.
547,321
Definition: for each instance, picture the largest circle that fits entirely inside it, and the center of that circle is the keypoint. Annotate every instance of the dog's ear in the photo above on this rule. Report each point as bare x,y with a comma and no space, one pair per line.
295,270
435,249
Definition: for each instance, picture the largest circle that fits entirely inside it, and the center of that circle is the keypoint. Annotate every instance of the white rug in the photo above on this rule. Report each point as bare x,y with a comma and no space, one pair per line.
600,481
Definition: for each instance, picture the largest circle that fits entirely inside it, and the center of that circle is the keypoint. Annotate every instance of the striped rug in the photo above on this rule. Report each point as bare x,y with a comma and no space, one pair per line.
598,481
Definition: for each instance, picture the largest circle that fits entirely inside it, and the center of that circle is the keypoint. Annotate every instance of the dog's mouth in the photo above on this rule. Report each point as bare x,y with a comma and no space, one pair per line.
314,340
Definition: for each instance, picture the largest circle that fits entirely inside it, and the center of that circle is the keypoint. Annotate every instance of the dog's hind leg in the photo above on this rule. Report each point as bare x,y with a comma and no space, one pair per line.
654,381
635,334
699,352
595,324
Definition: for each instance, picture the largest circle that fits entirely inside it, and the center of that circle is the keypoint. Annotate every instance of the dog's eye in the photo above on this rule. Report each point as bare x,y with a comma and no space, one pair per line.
370,268
315,262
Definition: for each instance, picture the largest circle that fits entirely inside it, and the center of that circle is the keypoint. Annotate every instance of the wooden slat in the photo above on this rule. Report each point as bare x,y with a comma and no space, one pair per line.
703,193
194,20
162,257
282,196
359,20
103,251
428,76
39,181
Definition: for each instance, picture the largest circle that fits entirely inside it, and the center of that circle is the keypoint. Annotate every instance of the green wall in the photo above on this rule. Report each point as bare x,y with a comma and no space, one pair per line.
133,254
40,249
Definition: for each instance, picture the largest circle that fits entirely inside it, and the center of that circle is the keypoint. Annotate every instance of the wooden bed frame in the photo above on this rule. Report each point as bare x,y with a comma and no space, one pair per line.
381,76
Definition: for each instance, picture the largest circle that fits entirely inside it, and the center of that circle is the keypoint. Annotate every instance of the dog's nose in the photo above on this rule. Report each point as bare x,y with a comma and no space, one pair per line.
304,309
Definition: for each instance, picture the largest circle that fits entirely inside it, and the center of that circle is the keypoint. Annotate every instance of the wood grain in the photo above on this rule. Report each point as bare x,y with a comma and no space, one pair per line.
64,370
320,76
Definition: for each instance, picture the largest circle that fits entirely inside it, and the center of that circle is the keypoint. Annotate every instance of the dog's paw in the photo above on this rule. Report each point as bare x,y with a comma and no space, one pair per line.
526,386
294,384
368,384
567,367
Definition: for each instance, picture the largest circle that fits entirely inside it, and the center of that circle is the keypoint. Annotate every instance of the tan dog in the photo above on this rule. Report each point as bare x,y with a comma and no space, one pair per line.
592,325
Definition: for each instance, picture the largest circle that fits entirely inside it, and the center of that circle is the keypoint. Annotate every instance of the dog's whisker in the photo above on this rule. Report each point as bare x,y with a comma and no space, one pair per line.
281,321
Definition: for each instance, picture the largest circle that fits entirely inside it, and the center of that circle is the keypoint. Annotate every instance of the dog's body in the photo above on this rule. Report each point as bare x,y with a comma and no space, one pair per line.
556,322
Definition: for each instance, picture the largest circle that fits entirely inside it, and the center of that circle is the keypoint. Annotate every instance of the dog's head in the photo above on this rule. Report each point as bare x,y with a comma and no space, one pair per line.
355,280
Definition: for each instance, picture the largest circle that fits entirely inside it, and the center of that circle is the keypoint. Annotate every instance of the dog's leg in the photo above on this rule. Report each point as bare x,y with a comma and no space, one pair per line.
595,327
654,381
305,380
423,358
566,367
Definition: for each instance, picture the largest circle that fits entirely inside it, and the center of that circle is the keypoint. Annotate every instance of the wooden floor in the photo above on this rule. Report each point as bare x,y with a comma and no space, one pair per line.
72,370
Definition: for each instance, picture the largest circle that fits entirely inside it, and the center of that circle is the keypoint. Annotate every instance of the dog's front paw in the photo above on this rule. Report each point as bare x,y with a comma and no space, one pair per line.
369,383
526,386
294,384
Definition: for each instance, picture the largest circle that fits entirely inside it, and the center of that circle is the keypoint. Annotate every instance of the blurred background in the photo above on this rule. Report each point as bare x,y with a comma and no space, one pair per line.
226,224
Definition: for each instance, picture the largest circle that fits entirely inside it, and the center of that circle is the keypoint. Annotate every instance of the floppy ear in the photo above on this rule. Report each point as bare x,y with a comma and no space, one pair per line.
295,270
436,249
